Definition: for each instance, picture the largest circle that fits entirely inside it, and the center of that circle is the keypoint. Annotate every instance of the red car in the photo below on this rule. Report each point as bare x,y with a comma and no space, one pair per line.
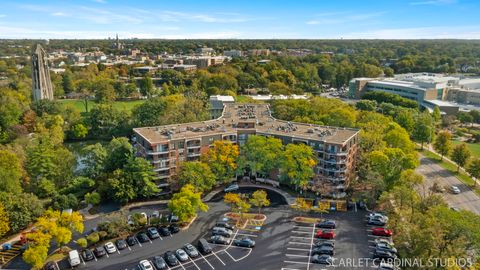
382,232
325,234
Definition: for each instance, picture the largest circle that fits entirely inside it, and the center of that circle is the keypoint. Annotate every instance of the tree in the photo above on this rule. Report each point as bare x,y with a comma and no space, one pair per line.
146,86
93,238
297,164
366,105
104,91
119,151
21,209
67,82
10,172
460,155
94,157
186,203
232,199
222,159
443,144
436,114
93,198
259,199
465,118
4,221
79,131
198,174
260,154
36,256
423,128
474,169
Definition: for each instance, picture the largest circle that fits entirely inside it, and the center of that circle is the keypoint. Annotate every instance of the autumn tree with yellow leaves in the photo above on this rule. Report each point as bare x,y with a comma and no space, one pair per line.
222,159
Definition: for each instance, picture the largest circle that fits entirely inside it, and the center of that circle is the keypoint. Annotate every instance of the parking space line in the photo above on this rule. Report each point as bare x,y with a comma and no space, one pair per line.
300,237
106,253
300,249
138,241
195,264
295,255
205,259
244,234
81,258
230,255
155,268
305,227
289,269
311,244
118,251
300,232
299,243
215,254
129,248
95,257
295,262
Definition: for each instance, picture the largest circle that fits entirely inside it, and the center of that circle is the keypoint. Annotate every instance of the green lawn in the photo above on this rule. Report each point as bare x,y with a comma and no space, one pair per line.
466,179
80,106
474,147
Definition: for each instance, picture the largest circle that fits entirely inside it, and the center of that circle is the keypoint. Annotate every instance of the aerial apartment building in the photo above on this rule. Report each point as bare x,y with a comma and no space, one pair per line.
167,146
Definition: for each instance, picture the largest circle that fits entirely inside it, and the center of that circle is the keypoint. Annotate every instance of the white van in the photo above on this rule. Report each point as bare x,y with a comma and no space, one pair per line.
73,258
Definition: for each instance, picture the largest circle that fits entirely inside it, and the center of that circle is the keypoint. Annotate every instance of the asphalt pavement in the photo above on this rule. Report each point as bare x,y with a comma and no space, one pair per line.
466,200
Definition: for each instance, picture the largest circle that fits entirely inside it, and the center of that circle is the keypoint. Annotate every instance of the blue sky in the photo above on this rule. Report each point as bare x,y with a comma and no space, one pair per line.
311,19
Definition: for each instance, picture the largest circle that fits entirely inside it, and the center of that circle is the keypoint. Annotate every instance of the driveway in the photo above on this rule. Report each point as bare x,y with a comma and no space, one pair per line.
466,200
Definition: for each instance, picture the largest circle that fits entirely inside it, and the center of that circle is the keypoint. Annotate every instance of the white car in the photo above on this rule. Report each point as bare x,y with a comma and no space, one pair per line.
378,216
155,214
231,188
110,247
145,265
455,190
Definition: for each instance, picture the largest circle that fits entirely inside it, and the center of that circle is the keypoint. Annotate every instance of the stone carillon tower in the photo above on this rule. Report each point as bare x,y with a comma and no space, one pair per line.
41,84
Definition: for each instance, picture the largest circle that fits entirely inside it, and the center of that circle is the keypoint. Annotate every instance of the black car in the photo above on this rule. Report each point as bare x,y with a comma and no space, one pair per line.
153,233
121,244
322,259
323,250
383,254
99,251
244,242
203,246
327,224
131,241
164,231
159,262
87,255
324,243
51,266
225,225
170,258
142,237
174,228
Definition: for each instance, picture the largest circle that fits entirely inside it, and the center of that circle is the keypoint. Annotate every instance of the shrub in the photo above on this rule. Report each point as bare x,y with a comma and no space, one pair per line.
103,235
93,238
82,242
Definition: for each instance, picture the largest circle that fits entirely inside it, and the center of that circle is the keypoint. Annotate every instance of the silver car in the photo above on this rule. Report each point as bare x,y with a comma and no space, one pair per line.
181,255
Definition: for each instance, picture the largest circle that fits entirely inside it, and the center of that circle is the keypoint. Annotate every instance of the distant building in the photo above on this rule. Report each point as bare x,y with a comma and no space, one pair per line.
259,52
185,68
41,83
205,51
233,53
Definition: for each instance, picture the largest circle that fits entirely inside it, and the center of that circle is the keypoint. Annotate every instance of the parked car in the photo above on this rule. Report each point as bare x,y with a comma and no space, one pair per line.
455,190
181,255
87,255
218,239
377,221
203,246
174,228
172,218
221,231
171,259
326,224
322,259
386,266
164,231
74,258
131,240
225,225
325,234
159,263
383,255
155,214
386,247
99,251
378,215
51,266
191,250
382,232
110,248
121,244
145,265
244,242
320,250
142,237
231,188
385,240
153,233
324,243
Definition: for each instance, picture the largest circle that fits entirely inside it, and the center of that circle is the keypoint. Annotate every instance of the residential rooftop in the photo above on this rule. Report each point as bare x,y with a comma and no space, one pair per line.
246,117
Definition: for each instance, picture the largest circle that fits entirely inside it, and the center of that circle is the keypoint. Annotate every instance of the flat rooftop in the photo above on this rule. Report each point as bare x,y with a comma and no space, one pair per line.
246,117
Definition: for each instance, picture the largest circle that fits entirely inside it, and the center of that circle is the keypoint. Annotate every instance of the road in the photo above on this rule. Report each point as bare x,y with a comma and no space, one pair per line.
466,200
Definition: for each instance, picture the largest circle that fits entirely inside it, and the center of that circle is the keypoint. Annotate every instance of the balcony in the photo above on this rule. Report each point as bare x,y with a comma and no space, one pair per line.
333,169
